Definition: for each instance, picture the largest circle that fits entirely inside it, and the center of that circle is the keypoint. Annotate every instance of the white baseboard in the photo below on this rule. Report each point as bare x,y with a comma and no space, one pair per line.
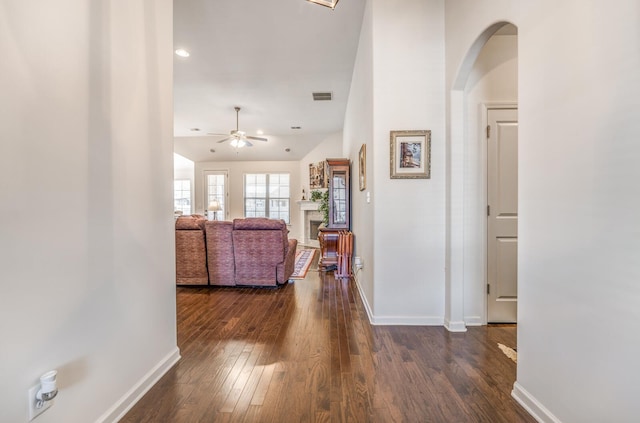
407,321
364,301
397,320
455,326
532,405
474,321
124,404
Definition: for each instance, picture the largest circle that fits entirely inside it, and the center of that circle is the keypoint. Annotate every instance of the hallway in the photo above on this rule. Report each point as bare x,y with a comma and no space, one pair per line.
305,352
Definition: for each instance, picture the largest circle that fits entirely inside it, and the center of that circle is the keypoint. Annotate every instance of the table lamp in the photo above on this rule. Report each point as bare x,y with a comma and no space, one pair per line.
214,208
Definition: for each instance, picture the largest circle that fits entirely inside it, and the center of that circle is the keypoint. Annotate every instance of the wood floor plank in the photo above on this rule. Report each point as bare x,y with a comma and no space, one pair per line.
305,352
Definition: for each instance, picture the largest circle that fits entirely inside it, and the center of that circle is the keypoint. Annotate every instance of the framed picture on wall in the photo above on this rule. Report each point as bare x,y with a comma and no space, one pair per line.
362,167
317,175
411,154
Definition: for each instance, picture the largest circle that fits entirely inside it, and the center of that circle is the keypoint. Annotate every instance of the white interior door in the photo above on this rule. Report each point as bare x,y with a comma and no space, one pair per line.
502,215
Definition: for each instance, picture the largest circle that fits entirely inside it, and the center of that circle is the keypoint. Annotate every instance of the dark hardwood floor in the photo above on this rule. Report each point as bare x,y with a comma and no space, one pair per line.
305,352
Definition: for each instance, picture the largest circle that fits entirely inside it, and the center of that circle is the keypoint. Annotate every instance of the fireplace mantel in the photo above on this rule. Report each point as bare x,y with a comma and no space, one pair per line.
308,205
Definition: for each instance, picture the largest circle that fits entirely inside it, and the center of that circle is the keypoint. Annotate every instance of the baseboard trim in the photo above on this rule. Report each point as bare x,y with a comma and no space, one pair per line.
124,404
396,320
363,297
474,321
532,405
407,321
455,326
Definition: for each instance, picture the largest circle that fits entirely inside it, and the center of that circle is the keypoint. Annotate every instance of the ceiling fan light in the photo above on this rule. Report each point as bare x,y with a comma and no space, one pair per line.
238,143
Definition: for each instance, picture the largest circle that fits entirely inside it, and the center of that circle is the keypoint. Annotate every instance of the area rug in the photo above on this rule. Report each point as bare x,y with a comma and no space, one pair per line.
303,263
509,352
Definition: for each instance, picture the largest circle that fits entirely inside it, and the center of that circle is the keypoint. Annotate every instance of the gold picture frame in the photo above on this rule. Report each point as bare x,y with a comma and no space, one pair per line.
362,168
410,154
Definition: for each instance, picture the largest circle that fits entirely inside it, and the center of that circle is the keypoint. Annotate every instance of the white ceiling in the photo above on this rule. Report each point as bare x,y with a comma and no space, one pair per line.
266,57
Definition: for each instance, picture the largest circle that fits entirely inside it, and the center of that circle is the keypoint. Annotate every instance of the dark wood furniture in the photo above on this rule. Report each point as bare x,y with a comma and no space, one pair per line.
328,239
338,172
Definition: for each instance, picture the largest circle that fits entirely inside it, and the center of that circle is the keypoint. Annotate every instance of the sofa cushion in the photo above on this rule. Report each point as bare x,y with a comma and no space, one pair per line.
259,224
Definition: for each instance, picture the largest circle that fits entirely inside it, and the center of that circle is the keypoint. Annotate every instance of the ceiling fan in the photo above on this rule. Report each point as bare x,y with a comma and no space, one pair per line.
239,138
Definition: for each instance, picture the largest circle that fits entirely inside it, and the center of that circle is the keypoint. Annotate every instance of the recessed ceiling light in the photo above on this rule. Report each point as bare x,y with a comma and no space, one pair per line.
194,129
295,127
287,149
182,52
212,150
260,132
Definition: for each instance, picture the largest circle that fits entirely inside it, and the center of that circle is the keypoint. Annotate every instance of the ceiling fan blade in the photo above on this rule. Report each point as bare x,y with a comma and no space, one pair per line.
225,139
256,138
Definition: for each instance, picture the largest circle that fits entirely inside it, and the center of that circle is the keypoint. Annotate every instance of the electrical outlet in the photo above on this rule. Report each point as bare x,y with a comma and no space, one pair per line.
357,261
33,410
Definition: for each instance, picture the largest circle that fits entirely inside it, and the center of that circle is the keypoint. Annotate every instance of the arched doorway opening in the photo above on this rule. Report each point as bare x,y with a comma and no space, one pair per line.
486,81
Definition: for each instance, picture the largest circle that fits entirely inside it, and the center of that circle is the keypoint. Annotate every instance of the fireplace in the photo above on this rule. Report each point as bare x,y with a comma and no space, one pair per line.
314,225
313,219
309,216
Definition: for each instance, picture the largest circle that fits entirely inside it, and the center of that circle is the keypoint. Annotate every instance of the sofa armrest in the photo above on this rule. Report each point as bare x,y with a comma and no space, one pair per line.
289,261
191,258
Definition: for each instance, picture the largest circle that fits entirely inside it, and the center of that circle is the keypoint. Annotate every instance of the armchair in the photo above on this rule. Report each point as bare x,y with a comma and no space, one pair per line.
264,255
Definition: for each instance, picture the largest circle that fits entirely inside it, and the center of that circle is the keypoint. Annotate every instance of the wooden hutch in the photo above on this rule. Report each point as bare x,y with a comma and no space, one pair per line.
338,174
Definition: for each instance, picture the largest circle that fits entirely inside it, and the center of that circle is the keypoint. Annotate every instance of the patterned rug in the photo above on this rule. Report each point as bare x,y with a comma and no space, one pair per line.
303,262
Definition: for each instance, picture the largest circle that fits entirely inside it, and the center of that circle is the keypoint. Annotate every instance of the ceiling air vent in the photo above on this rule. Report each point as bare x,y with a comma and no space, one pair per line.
326,96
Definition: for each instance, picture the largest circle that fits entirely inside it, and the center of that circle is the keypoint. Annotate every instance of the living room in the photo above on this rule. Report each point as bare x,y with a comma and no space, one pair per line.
234,171
87,126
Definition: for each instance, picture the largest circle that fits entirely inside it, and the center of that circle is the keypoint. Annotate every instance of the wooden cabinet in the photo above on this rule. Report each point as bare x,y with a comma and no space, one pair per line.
338,173
339,194
328,239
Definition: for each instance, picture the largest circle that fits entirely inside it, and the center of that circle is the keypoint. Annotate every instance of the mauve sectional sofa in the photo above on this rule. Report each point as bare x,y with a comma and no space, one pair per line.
247,252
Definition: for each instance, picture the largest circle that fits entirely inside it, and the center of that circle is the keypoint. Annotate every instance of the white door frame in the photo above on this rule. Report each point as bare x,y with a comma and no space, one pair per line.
205,189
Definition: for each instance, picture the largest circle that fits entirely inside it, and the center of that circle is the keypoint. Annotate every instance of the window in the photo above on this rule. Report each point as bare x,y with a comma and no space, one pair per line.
266,195
215,189
182,195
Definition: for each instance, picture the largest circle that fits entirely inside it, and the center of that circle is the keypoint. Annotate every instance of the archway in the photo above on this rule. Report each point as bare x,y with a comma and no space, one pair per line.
466,211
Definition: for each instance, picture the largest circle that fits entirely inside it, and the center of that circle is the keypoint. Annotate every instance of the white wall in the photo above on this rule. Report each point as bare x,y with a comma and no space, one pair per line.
493,79
358,130
579,300
408,76
237,170
87,243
